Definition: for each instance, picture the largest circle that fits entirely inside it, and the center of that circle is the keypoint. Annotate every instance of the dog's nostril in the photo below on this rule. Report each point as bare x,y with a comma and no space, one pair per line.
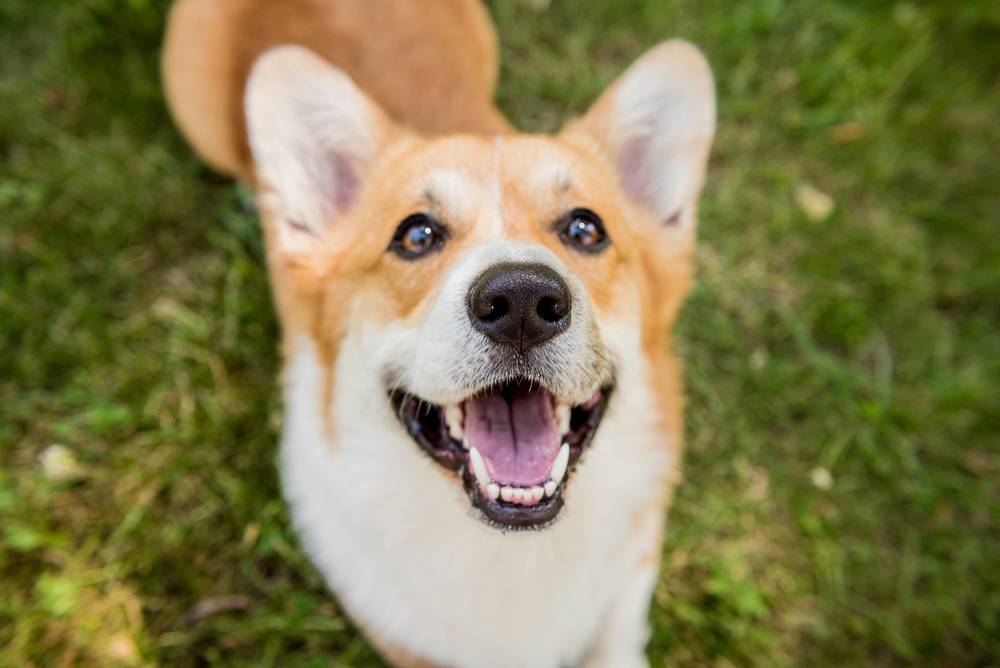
498,308
489,308
551,309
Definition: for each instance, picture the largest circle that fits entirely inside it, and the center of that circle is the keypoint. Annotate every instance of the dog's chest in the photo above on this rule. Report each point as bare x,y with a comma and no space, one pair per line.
450,588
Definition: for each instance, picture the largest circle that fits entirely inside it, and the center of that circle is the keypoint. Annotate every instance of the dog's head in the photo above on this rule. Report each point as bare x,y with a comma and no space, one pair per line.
487,298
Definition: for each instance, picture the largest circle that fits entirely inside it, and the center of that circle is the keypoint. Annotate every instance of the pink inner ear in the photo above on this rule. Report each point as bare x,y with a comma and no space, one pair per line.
632,171
343,184
652,179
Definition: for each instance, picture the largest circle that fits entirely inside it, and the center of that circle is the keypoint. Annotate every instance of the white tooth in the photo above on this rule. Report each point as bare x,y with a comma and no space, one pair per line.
507,493
550,487
479,467
493,491
453,417
537,493
562,418
518,496
465,441
560,464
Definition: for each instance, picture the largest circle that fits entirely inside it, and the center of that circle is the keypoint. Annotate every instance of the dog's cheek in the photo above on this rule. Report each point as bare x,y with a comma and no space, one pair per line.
665,278
613,290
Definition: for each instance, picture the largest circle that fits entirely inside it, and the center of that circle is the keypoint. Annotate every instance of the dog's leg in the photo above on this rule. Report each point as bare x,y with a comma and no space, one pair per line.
622,641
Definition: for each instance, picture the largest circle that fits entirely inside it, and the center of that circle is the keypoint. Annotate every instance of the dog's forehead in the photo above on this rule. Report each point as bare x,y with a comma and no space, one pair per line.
495,184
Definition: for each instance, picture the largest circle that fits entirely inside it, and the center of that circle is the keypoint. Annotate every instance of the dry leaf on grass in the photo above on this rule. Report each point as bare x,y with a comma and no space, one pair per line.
816,204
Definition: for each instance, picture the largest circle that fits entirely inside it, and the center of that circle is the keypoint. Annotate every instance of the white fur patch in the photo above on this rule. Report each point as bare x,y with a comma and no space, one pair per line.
395,536
454,190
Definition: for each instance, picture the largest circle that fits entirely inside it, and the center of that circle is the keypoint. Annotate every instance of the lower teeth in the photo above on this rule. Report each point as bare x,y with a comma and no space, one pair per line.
527,496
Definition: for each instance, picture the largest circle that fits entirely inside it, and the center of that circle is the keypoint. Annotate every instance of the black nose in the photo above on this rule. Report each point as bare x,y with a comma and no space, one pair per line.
520,304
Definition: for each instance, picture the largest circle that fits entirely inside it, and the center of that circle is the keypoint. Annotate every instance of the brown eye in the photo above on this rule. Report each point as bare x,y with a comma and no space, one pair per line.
583,230
416,236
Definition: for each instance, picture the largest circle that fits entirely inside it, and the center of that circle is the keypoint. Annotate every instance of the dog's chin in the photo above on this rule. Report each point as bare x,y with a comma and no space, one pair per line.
514,446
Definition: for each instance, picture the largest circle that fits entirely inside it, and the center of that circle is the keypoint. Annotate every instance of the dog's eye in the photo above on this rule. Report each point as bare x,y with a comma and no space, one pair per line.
583,230
416,236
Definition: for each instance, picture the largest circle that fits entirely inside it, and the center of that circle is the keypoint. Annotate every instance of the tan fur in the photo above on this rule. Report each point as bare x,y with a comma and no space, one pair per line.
433,66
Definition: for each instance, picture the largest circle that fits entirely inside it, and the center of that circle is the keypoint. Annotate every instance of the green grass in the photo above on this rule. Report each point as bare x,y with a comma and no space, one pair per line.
841,500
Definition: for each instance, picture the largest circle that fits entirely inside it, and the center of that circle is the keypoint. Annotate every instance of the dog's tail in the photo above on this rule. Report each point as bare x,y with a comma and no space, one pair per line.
431,64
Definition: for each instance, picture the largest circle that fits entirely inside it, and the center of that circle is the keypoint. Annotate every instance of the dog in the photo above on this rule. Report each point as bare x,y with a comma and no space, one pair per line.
483,416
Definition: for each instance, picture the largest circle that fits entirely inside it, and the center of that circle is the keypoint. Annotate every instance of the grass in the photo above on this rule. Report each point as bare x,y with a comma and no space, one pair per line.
841,500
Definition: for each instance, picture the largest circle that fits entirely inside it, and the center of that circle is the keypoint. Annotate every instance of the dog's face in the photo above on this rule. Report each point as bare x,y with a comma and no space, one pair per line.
495,291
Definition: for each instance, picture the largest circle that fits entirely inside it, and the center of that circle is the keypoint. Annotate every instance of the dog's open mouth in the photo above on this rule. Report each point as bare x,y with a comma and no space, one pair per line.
514,446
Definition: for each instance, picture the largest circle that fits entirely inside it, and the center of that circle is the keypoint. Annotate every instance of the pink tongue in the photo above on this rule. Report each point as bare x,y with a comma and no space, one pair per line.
517,438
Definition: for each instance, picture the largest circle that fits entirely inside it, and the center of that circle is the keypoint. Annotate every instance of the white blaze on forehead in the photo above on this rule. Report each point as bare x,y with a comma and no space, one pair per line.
454,190
467,199
491,215
548,177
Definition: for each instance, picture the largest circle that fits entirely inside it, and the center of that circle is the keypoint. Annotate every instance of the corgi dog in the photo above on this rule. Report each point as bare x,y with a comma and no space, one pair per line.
483,416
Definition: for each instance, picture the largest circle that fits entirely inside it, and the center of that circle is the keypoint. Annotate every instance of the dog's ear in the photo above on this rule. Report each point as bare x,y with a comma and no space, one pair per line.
656,123
312,134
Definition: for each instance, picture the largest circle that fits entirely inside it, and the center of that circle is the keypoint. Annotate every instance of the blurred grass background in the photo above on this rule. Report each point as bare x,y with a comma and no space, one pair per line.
843,345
